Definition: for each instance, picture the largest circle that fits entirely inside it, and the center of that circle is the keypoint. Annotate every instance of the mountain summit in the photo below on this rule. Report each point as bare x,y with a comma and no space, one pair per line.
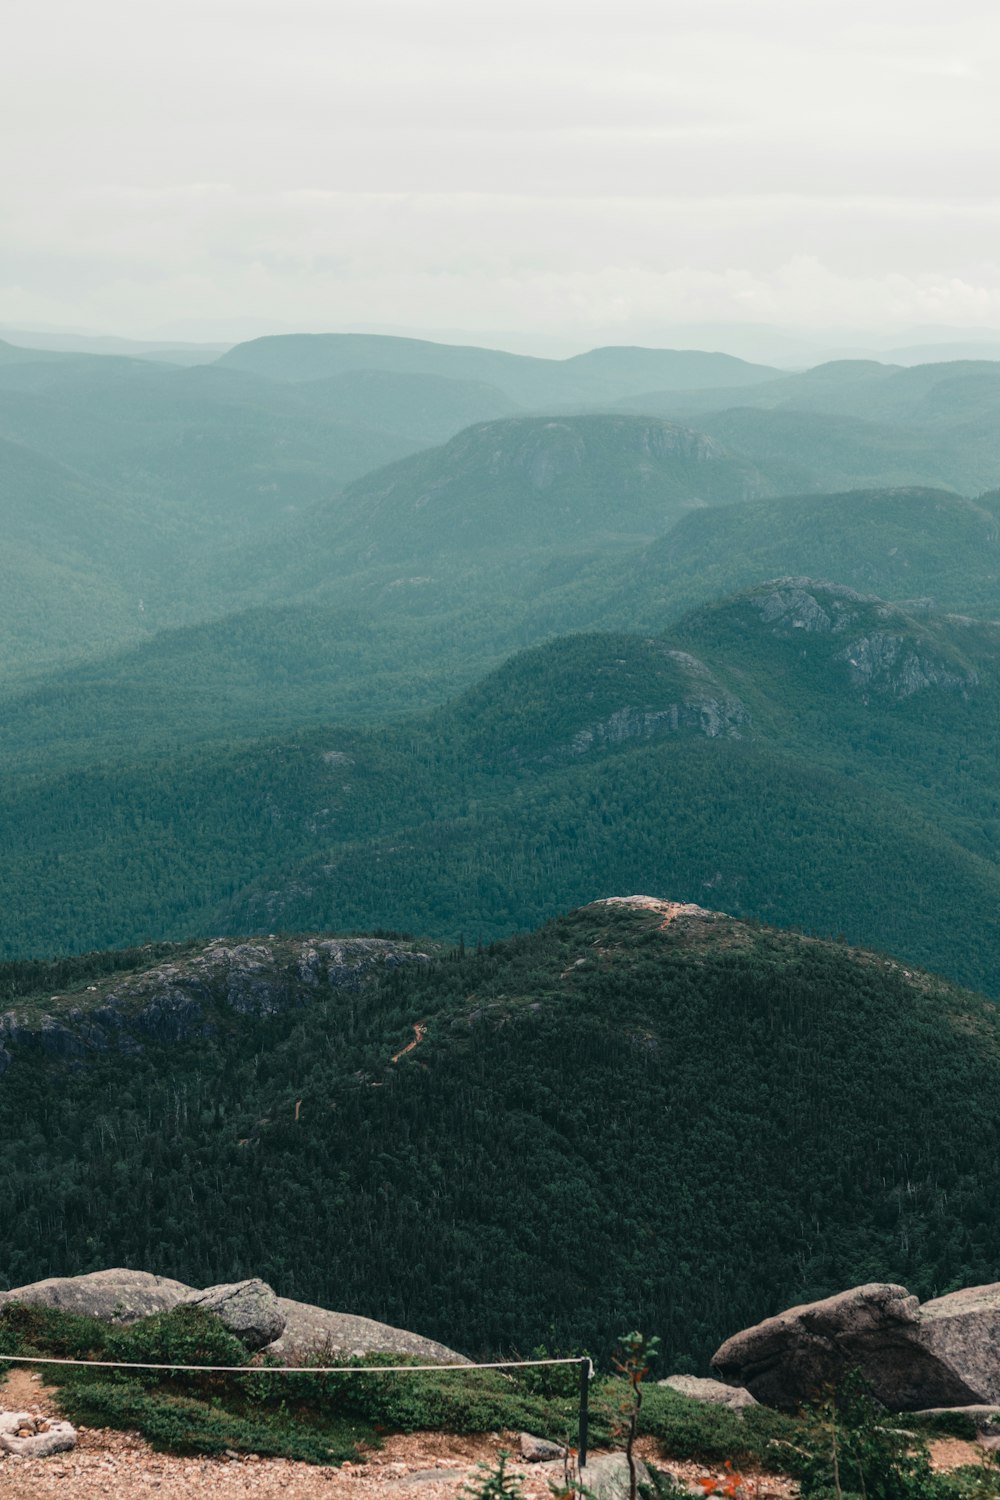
645,1108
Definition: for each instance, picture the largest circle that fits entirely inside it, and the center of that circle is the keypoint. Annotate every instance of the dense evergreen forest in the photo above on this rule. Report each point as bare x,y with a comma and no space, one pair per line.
799,754
631,1116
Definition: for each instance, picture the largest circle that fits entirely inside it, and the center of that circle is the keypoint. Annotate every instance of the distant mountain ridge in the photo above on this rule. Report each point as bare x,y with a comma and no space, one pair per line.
599,375
526,482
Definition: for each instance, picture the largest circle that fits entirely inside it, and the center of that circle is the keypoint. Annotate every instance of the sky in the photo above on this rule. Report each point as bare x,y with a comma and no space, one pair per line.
580,170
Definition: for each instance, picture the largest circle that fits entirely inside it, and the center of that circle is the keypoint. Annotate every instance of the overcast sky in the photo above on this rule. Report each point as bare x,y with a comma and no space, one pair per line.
586,169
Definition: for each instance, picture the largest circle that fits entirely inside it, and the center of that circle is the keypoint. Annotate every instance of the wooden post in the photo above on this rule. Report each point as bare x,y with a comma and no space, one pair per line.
584,1414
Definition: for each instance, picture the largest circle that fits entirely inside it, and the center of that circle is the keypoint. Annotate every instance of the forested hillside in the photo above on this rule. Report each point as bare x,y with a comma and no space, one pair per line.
593,1128
802,754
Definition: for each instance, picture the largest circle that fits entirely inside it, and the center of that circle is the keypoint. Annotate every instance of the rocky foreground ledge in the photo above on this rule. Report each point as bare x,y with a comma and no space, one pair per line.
294,1332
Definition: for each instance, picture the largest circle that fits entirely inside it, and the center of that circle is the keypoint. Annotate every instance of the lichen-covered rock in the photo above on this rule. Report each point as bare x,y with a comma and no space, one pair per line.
114,1296
295,1332
28,1436
962,1329
944,1353
696,1388
313,1333
249,1309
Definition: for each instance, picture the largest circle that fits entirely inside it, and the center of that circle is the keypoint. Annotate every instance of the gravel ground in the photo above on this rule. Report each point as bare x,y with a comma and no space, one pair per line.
108,1465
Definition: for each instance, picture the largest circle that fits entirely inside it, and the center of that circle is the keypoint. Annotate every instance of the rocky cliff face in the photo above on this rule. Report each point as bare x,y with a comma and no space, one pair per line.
887,651
181,1000
704,707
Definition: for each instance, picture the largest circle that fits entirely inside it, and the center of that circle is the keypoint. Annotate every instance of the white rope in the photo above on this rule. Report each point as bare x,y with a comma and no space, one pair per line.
111,1364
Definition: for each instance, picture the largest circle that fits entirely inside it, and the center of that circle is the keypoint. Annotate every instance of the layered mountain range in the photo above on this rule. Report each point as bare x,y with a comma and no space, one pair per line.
429,646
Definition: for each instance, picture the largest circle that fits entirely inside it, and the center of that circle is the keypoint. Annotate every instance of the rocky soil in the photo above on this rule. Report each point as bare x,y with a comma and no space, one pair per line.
108,1465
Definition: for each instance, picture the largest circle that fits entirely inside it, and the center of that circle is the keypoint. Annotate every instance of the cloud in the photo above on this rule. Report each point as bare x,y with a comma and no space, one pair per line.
335,159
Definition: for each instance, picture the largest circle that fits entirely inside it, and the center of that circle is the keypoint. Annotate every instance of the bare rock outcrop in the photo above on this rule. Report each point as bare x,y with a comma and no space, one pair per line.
536,1450
249,1309
962,1329
945,1353
313,1332
294,1332
114,1296
607,1476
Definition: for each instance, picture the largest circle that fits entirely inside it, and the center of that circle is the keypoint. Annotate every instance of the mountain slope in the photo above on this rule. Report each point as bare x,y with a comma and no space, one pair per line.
804,753
900,543
378,645
428,409
524,484
594,1125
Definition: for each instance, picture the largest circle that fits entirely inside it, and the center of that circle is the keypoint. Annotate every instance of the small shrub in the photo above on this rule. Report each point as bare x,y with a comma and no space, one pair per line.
850,1442
971,1482
549,1380
944,1424
182,1424
710,1434
184,1336
25,1329
494,1483
473,1402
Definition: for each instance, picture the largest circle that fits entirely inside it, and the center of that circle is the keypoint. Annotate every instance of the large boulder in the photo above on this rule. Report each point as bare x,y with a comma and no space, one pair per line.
962,1330
314,1334
945,1353
606,1477
294,1332
250,1309
115,1296
714,1392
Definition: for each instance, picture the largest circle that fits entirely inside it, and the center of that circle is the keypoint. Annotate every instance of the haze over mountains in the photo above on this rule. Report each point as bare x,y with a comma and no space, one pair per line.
284,544
343,633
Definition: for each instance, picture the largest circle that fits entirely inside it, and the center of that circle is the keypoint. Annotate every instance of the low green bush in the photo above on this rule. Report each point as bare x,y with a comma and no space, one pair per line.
944,1424
25,1329
700,1430
463,1402
182,1424
184,1336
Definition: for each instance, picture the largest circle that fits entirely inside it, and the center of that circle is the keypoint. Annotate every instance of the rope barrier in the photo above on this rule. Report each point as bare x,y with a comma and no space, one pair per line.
112,1364
584,1364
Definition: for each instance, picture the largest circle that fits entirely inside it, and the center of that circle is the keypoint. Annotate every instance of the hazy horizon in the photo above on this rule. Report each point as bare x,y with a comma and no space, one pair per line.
555,171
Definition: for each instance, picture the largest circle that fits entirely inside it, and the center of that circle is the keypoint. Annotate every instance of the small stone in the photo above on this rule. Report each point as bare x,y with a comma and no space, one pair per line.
536,1450
712,1391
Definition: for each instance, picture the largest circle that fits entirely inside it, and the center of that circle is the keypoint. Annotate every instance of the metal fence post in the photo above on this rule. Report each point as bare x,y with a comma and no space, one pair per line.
584,1413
